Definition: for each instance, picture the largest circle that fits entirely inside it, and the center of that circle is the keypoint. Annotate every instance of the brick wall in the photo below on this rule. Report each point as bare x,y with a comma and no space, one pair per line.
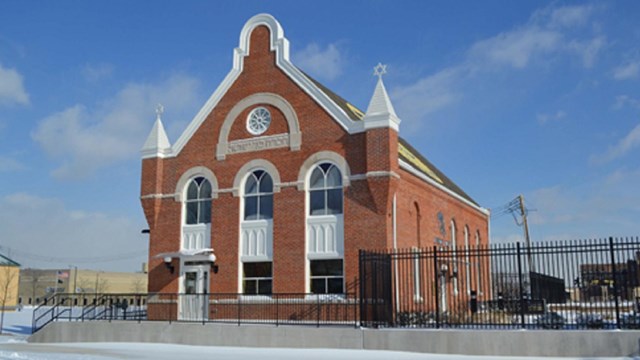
367,202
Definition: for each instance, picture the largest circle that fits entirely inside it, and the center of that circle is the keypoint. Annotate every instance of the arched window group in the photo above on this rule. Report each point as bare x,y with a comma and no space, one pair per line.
324,198
466,255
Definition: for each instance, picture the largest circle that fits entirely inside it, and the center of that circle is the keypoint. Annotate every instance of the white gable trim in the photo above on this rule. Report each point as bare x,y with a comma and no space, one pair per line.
406,166
280,45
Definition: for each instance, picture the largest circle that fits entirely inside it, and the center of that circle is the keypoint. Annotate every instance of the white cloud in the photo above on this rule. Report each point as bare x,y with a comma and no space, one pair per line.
570,16
609,202
44,227
588,50
426,96
627,71
548,32
625,100
325,63
545,118
86,139
96,72
516,48
12,89
8,164
621,148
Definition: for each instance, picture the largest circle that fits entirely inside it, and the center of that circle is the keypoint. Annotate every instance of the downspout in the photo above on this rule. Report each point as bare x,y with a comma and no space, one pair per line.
395,248
489,280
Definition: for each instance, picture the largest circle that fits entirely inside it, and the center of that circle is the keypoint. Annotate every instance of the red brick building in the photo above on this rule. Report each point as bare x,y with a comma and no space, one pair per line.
278,182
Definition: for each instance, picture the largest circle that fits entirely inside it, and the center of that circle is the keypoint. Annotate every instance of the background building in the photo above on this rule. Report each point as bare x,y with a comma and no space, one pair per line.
9,279
36,285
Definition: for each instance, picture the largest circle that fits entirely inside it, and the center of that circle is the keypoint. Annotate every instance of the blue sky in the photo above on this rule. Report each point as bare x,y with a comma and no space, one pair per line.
506,97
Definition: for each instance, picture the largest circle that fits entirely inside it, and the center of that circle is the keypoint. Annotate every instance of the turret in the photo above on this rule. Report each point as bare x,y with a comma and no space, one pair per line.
155,149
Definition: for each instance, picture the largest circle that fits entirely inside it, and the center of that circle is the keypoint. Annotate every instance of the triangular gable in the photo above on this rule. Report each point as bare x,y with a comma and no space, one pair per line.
280,45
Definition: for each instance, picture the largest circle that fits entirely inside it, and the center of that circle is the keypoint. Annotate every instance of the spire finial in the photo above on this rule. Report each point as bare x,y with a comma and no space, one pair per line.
379,70
159,110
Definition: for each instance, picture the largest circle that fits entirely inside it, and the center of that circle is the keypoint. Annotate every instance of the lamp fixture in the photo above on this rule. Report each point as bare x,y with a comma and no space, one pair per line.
168,264
212,259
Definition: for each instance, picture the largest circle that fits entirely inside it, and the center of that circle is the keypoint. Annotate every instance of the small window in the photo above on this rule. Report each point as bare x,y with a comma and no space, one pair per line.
258,278
258,196
327,277
325,190
198,203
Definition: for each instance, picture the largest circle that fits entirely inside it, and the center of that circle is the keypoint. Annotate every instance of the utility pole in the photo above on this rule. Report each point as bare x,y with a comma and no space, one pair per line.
523,212
527,239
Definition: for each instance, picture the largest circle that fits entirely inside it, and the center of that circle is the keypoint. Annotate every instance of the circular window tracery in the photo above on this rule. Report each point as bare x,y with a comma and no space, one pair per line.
258,121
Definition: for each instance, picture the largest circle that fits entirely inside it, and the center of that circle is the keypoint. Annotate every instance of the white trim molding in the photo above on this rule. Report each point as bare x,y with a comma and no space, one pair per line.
293,140
157,196
322,156
280,45
265,165
190,174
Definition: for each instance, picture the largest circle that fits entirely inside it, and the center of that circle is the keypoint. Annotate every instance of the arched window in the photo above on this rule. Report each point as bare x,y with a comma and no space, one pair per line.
198,202
325,230
258,196
467,260
325,190
257,233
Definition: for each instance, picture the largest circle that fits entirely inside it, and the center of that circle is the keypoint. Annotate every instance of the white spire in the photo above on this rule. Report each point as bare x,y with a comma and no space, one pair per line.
380,112
157,144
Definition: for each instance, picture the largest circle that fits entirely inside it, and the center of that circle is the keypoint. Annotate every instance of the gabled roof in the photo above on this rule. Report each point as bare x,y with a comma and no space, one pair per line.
353,112
409,154
406,152
5,261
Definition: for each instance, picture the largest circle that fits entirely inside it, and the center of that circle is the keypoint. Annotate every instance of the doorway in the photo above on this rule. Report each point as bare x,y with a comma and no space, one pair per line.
194,296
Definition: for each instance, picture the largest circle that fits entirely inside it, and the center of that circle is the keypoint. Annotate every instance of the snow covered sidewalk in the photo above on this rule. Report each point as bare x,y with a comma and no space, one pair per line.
103,351
13,346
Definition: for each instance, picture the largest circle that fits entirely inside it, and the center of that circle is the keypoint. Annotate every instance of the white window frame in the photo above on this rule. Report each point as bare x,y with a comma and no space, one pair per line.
336,221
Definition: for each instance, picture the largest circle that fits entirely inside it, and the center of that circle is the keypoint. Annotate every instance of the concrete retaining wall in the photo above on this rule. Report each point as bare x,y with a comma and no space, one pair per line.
591,343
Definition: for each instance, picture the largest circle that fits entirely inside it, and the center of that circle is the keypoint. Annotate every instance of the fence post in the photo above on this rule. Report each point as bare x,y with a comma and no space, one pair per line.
355,313
205,307
520,285
615,281
318,311
277,311
239,308
437,289
362,284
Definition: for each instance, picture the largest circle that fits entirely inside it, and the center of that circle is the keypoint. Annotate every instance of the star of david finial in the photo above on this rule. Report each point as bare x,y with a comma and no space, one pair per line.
159,110
379,70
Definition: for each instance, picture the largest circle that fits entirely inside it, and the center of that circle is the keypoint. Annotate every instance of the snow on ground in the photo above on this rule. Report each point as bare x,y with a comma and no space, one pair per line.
13,346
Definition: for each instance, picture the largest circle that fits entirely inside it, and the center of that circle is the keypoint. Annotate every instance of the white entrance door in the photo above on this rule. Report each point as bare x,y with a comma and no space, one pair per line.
194,297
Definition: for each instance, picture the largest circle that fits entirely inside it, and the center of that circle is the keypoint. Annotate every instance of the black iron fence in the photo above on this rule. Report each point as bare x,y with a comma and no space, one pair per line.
276,309
550,285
